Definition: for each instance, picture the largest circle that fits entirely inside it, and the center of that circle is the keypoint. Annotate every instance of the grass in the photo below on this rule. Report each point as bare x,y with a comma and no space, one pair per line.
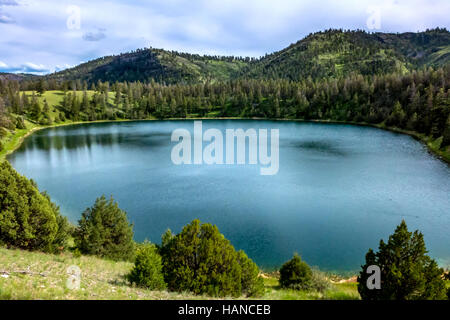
54,98
100,279
441,55
13,139
46,275
337,291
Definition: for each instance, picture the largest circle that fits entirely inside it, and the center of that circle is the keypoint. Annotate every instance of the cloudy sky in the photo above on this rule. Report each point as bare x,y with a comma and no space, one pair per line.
49,35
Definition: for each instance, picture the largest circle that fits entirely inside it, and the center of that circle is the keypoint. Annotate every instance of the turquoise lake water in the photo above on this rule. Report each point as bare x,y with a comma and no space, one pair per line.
339,189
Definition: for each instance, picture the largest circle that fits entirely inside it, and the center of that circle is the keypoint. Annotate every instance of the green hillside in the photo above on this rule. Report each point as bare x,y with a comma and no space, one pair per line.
16,76
336,53
331,53
154,64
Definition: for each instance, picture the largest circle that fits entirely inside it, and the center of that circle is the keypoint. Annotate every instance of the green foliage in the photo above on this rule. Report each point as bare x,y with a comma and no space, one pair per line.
147,270
296,274
252,285
319,281
20,123
76,253
28,219
337,53
202,261
65,230
104,231
446,136
397,117
3,132
407,272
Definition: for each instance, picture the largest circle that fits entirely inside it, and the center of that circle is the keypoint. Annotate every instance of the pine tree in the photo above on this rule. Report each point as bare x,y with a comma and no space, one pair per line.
28,219
201,260
104,231
295,274
147,270
407,272
85,102
35,111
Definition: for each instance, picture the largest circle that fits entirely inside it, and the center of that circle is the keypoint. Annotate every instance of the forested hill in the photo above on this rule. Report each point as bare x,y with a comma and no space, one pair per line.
155,64
16,76
331,53
335,53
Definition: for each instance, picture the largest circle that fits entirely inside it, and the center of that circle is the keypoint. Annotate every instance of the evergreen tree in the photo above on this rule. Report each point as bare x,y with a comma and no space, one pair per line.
202,261
147,270
407,272
295,274
28,219
104,231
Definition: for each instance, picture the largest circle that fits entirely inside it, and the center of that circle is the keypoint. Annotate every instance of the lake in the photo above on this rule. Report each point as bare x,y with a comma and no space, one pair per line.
339,189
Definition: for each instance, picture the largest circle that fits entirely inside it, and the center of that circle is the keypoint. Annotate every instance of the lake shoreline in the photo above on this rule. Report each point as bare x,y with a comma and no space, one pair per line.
342,272
427,141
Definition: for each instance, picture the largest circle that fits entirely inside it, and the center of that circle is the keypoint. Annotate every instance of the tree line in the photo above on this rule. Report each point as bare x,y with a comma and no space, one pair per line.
418,101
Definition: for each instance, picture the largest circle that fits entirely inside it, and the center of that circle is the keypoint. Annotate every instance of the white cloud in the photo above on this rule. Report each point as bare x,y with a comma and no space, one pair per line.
6,18
34,67
27,67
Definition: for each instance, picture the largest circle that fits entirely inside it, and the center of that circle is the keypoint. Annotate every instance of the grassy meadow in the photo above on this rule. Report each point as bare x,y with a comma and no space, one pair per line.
32,275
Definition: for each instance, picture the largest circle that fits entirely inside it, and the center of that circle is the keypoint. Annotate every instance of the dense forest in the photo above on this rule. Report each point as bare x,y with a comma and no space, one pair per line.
417,101
399,81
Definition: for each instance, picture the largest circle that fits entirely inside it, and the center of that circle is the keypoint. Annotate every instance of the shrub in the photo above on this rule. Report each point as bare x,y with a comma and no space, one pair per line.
76,253
319,281
147,270
203,261
20,123
104,231
407,273
251,284
64,232
28,219
296,274
3,132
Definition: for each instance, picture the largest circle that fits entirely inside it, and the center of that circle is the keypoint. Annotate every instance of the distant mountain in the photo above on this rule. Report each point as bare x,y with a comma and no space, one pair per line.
16,76
330,53
157,64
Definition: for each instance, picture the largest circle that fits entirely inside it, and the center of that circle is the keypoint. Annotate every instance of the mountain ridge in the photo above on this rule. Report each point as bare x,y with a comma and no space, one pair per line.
331,53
